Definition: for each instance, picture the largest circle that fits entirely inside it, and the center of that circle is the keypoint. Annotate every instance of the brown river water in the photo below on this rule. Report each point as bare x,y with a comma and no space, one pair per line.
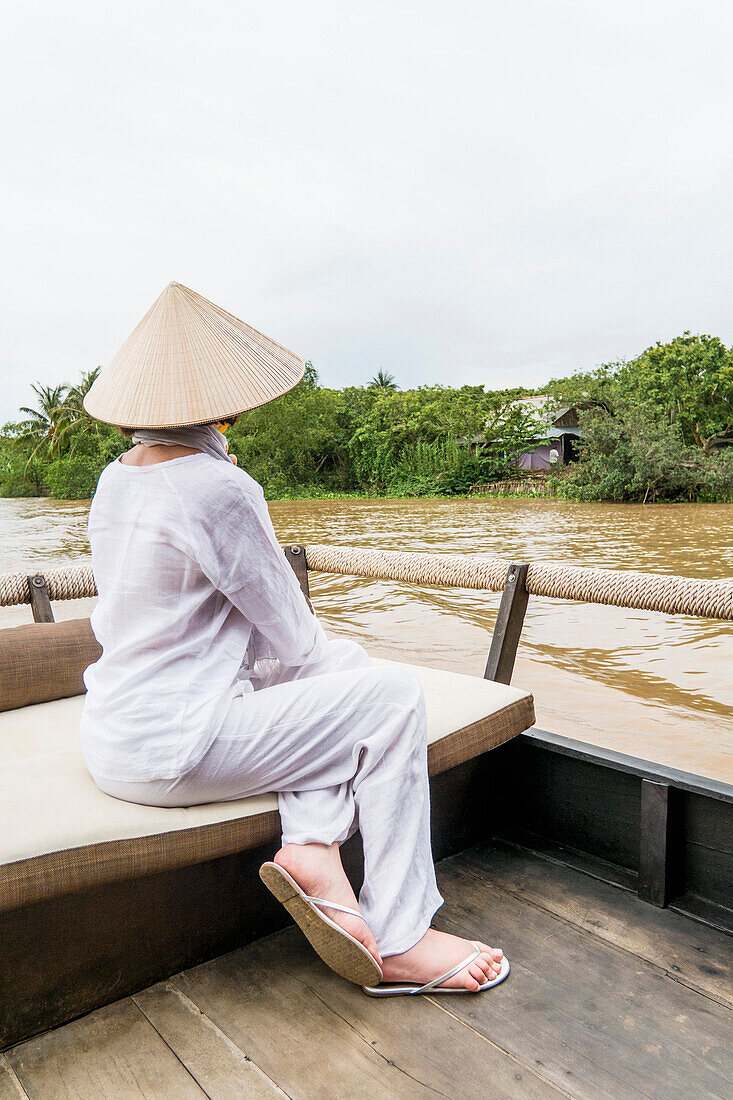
655,686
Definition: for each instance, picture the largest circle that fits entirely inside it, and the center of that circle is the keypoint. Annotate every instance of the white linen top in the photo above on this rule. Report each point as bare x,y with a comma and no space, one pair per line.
186,563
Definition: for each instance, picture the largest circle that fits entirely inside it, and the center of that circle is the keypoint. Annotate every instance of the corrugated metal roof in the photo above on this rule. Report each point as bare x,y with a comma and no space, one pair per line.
555,433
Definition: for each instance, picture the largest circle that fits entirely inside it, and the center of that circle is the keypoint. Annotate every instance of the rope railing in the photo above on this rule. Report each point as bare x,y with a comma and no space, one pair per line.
644,591
709,599
73,583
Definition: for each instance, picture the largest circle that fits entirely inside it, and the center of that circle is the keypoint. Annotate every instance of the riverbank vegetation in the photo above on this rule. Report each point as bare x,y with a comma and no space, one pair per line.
659,427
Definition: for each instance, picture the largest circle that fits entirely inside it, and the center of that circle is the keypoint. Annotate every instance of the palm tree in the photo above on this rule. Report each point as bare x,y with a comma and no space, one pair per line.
74,420
41,431
384,381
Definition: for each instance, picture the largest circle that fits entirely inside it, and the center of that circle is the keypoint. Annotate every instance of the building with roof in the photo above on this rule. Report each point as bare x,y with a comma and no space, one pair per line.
557,433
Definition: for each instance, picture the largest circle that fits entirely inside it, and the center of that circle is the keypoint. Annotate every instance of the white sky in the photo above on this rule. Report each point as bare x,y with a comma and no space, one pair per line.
457,192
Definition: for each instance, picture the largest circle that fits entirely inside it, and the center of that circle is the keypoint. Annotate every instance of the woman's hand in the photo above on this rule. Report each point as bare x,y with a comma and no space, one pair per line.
232,458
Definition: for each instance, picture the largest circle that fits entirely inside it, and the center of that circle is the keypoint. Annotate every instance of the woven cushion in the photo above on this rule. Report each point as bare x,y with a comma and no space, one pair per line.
59,833
44,661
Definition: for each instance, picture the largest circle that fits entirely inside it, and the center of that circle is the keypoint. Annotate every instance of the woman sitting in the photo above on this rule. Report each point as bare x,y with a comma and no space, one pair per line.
217,681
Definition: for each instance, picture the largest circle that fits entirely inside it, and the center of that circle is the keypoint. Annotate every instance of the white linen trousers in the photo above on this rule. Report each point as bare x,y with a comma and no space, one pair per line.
348,751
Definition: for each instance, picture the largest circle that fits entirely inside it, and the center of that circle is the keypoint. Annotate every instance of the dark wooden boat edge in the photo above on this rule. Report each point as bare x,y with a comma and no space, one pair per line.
669,837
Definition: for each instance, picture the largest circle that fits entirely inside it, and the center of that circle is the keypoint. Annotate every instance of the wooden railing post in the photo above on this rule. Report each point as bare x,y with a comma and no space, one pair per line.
508,628
297,559
40,602
654,833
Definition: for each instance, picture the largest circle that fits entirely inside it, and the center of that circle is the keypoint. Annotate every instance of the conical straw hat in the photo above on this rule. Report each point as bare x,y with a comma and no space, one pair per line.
190,362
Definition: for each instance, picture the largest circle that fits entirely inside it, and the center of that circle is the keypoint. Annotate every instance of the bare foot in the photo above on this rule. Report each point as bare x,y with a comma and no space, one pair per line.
438,952
318,870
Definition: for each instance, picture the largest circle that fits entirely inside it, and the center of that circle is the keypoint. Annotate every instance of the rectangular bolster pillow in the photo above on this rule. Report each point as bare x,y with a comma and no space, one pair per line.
44,661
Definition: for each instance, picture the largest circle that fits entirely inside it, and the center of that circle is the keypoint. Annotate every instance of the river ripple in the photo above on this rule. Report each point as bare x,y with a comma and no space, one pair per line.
658,686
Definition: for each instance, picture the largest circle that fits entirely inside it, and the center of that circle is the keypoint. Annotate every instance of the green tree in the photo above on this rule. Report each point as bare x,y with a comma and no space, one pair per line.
19,477
690,381
489,426
636,454
76,426
40,433
297,441
655,428
596,388
384,381
74,476
58,447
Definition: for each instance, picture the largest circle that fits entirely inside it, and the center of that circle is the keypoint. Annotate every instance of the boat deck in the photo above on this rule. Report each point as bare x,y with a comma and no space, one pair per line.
608,997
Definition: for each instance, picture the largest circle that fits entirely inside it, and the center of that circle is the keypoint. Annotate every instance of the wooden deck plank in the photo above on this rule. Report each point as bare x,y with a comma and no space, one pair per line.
113,1053
265,1004
320,1037
10,1086
692,953
598,1021
434,1048
603,1001
218,1065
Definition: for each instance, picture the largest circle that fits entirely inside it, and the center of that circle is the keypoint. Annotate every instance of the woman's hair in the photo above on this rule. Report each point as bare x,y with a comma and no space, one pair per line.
228,421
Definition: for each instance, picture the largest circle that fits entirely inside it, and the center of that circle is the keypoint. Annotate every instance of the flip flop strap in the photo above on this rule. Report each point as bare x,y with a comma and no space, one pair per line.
333,905
449,973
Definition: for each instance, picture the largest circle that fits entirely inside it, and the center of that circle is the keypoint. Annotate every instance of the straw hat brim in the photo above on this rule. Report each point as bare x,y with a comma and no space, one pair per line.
190,362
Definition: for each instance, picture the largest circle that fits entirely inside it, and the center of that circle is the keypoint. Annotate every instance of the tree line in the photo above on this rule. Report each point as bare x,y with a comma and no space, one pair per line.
659,427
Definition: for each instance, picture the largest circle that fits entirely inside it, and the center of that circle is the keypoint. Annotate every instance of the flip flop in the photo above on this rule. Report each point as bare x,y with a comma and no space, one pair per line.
411,989
342,952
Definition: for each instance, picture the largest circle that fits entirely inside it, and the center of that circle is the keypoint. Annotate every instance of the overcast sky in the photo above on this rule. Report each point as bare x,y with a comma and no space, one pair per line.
457,192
